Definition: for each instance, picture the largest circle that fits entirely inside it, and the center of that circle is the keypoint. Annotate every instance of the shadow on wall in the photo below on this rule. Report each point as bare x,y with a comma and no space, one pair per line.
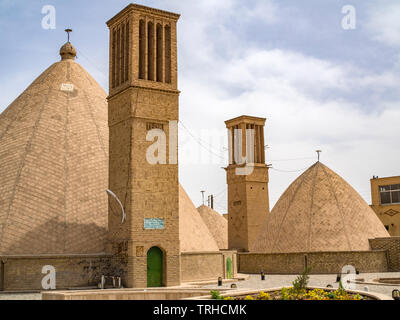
56,237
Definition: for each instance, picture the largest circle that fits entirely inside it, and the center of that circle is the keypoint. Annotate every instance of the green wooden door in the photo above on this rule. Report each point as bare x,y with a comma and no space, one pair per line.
154,267
229,268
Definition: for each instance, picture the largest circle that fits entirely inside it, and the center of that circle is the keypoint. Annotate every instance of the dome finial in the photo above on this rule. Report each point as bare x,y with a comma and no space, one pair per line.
68,51
68,31
319,153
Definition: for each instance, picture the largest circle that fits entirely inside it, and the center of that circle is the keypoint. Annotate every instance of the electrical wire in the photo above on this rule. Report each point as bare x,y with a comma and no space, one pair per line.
199,142
288,171
92,63
292,159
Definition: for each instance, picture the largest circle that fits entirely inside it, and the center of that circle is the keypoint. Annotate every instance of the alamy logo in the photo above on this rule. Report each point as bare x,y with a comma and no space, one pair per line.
49,20
49,280
349,277
349,21
157,152
236,151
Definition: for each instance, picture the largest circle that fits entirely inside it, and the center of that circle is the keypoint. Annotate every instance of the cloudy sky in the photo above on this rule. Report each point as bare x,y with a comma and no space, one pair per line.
320,86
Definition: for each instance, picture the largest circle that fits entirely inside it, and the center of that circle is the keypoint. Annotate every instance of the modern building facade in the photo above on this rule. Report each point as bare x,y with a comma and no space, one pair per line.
385,196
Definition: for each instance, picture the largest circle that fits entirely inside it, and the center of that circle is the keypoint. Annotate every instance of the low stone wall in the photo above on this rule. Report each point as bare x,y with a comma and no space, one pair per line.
200,266
1,275
320,262
25,272
125,294
392,246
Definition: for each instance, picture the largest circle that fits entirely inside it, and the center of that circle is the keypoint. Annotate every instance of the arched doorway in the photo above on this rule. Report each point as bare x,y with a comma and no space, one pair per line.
229,268
154,267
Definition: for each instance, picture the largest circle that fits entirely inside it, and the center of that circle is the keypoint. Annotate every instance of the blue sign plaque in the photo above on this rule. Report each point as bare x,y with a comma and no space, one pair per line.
153,223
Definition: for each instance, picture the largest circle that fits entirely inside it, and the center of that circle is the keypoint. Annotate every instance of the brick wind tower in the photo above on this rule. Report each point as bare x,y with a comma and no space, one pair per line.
143,96
248,198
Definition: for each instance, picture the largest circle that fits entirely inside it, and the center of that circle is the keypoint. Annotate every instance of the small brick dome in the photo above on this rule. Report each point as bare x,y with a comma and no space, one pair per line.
217,225
67,51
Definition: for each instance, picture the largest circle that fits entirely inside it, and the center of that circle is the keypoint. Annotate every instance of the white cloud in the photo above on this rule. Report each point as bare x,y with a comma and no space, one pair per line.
384,22
288,88
304,98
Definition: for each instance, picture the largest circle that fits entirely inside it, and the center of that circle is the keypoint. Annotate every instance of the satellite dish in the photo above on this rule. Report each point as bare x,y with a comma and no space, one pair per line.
112,194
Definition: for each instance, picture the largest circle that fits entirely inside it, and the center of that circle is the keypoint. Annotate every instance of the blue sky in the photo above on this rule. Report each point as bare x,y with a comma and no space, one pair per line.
318,85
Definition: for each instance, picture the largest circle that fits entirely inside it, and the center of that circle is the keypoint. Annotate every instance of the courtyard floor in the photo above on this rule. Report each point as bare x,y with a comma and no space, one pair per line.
274,281
271,281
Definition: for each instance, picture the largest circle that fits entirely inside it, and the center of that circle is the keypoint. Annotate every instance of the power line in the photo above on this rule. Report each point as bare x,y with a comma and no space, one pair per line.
199,142
92,63
220,193
289,170
292,159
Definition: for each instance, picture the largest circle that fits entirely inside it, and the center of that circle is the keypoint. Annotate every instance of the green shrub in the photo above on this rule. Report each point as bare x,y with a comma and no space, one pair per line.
215,295
301,282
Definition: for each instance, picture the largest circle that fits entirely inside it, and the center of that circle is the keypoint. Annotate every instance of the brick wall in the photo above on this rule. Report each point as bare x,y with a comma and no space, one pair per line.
196,266
320,262
73,271
1,276
392,245
25,272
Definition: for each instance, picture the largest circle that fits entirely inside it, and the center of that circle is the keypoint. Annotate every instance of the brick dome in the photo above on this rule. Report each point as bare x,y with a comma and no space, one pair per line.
54,164
54,169
319,212
217,225
193,233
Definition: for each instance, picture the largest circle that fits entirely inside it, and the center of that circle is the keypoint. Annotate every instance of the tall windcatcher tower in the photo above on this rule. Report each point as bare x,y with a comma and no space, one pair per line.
247,178
142,107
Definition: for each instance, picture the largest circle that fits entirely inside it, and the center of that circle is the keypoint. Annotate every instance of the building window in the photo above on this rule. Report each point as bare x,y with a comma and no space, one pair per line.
113,58
167,36
118,57
150,51
122,57
159,53
127,31
390,194
142,49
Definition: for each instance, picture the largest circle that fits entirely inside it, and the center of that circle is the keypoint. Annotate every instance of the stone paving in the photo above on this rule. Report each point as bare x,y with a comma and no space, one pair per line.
21,296
271,281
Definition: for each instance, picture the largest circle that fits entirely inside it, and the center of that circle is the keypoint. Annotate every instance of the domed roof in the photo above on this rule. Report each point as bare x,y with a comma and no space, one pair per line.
67,51
319,212
193,233
217,225
54,164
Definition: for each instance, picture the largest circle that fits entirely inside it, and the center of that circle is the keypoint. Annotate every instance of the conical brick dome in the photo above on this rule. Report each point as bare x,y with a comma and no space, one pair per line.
54,164
319,212
193,233
217,225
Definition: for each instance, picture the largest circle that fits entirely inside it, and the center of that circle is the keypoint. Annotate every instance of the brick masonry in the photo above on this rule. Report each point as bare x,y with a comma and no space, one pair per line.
25,272
319,212
135,106
392,246
248,197
196,266
73,271
53,166
320,262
